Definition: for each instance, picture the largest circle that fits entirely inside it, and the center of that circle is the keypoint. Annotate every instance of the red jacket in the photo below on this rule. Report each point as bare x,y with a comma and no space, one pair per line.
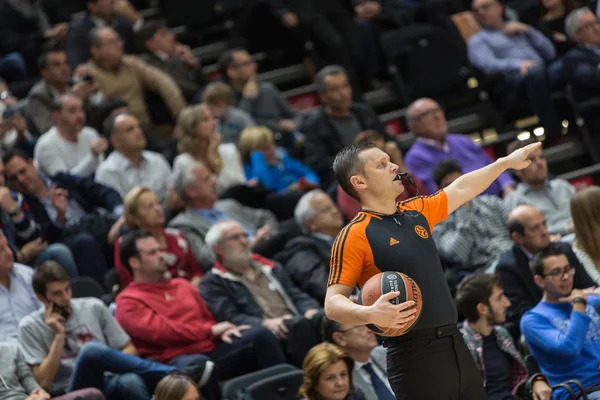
166,319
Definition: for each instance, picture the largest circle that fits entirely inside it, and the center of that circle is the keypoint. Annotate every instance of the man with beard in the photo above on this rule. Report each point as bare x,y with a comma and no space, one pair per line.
563,330
481,299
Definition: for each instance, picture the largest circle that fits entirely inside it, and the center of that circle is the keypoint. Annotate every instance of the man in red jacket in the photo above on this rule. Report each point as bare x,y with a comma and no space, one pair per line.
168,321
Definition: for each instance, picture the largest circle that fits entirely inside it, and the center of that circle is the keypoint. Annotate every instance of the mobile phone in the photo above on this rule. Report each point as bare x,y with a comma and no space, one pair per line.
63,312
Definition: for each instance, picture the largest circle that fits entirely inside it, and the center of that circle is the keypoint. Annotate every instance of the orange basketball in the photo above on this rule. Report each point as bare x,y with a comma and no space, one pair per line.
391,281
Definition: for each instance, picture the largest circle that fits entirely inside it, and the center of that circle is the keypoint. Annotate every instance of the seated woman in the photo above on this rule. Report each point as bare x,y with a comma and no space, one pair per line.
328,375
585,210
271,166
350,206
176,387
143,211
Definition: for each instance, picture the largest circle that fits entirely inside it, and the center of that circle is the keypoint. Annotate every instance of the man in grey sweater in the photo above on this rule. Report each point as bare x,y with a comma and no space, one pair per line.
17,381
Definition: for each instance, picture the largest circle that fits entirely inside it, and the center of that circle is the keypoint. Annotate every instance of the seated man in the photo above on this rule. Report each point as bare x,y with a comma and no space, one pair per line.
231,121
182,331
129,165
481,300
370,360
551,197
561,330
529,233
20,384
434,144
519,52
162,51
71,343
71,210
306,258
195,185
69,146
475,236
247,289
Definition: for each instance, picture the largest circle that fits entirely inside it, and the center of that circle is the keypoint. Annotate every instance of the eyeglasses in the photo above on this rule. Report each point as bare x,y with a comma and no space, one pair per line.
558,273
327,210
237,236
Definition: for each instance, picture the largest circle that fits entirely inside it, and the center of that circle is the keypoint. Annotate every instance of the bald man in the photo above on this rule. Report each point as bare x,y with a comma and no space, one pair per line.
529,233
434,144
129,165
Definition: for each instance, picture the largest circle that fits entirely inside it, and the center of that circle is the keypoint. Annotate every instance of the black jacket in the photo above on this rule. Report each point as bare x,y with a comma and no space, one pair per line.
581,70
517,280
306,261
324,141
230,300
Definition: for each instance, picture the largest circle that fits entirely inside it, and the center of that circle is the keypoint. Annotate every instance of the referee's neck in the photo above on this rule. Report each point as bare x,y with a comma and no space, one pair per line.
379,206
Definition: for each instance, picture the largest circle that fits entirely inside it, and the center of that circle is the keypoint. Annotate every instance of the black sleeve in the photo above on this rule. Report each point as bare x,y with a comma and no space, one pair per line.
516,293
308,272
582,279
301,300
97,194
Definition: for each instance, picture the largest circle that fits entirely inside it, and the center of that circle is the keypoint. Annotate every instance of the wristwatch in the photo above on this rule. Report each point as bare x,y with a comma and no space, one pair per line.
579,300
5,94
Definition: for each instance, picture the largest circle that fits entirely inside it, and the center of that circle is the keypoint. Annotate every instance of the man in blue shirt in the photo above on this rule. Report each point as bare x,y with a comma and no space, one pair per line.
563,330
520,53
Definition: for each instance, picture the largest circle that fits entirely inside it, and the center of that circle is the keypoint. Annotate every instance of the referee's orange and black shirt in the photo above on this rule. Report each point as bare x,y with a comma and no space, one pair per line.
373,243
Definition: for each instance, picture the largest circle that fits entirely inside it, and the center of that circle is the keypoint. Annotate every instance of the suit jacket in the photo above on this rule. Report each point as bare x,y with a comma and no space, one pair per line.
195,227
517,281
39,107
324,141
78,40
190,80
581,70
379,358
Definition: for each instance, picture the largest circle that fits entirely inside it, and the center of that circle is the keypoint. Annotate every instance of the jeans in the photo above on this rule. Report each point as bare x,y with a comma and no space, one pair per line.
12,67
61,254
89,255
134,377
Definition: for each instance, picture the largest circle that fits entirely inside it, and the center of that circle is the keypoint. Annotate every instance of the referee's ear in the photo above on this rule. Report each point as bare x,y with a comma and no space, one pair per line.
357,182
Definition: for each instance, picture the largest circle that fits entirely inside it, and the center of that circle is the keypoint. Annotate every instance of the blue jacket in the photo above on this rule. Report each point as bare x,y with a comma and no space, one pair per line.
278,177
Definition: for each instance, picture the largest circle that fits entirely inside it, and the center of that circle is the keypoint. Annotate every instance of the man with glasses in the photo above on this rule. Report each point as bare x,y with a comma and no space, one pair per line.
563,330
530,235
434,144
370,372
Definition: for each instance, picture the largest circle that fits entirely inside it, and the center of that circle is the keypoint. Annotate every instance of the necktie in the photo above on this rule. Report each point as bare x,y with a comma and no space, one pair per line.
382,391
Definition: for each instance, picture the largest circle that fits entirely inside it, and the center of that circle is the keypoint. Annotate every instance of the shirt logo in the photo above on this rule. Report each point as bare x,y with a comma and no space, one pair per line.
393,241
422,232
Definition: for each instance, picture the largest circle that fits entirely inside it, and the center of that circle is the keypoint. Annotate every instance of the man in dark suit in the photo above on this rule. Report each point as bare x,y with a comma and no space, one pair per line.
121,16
75,211
528,230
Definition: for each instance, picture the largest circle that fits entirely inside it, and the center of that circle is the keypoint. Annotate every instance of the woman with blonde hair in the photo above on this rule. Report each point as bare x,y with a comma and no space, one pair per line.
328,374
176,387
199,141
585,210
143,211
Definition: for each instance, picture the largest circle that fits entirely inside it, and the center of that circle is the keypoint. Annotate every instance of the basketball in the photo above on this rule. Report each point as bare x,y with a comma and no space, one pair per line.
391,281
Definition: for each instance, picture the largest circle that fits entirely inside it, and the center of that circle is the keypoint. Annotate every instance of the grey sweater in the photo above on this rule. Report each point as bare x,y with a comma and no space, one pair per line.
16,378
268,108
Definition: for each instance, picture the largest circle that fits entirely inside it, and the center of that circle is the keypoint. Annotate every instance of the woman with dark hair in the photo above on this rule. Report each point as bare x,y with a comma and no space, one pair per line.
328,375
552,23
176,387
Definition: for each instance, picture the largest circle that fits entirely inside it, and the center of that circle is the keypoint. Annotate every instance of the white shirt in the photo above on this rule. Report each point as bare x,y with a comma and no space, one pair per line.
358,367
120,174
100,23
54,154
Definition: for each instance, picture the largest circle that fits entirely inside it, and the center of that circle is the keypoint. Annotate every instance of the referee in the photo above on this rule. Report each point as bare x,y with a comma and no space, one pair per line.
431,361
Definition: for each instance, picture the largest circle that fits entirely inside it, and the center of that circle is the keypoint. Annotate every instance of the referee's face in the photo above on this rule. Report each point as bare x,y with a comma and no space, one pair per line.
379,177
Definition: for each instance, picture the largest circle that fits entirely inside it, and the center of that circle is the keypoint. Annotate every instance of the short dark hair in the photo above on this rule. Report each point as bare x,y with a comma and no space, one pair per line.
226,61
9,155
46,273
445,168
328,328
326,71
128,247
537,262
58,102
147,31
42,60
347,163
472,290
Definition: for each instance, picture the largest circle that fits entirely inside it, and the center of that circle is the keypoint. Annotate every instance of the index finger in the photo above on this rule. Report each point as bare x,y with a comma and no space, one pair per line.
531,147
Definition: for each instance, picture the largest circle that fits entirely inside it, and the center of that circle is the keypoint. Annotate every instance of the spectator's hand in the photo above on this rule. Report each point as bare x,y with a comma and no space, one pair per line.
310,313
277,326
19,123
125,9
196,282
251,89
33,249
38,394
99,146
236,331
290,20
571,227
508,189
84,89
583,293
57,32
54,321
541,391
519,159
7,203
213,144
287,125
220,328
115,230
184,53
514,27
559,37
60,200
526,66
81,71
555,237
368,10
262,234
173,201
384,313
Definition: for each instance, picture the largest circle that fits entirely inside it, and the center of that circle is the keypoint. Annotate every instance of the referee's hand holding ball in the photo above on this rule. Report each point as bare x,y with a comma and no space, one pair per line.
384,313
